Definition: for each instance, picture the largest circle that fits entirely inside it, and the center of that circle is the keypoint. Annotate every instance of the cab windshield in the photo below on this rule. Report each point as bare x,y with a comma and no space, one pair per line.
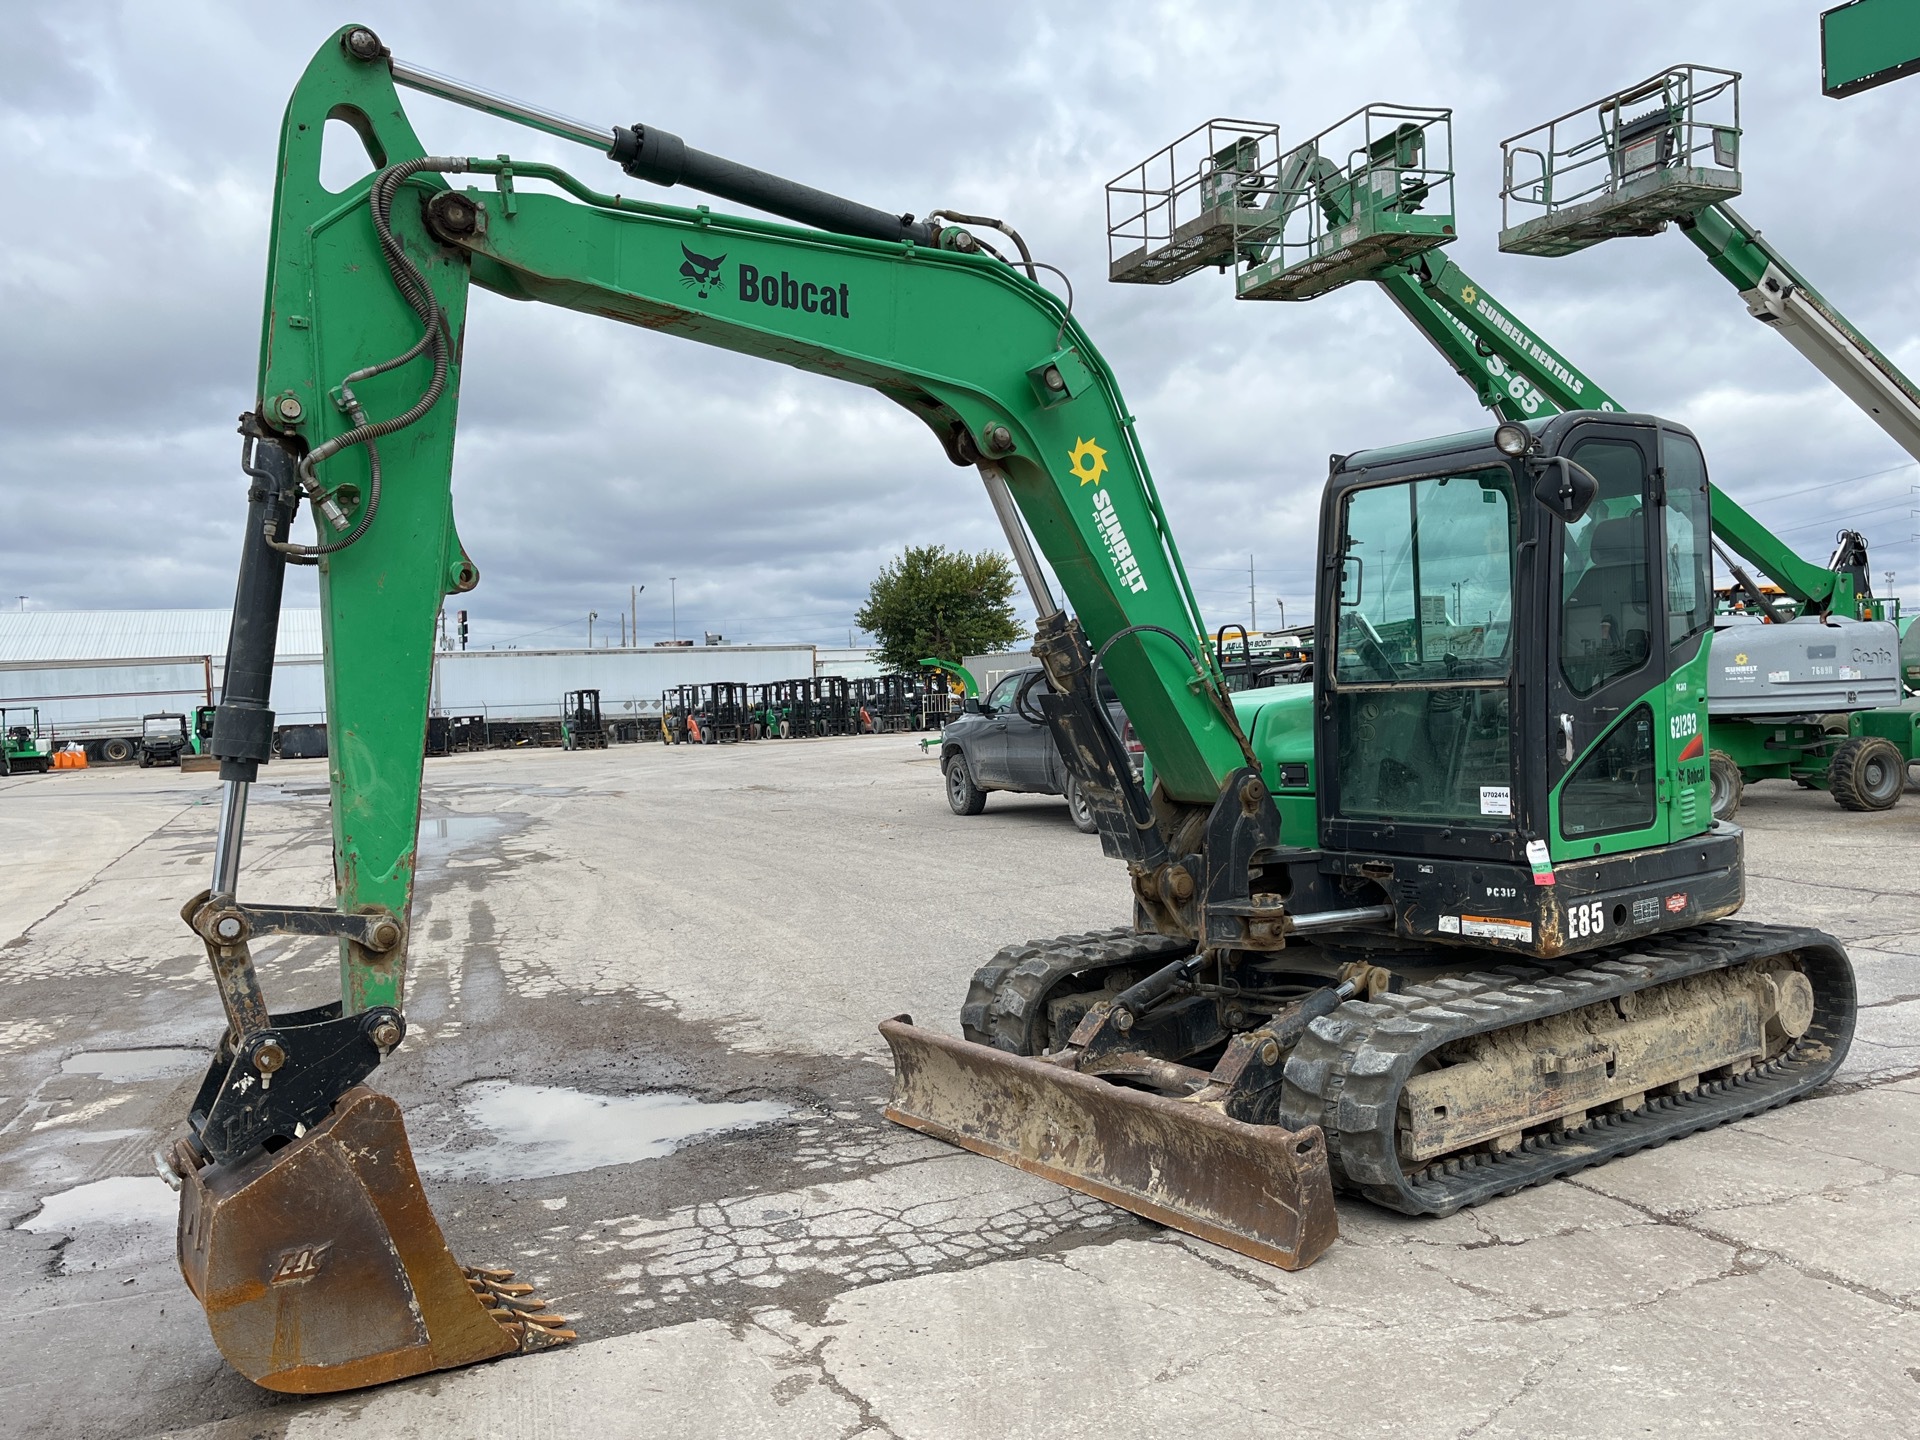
1423,650
1426,580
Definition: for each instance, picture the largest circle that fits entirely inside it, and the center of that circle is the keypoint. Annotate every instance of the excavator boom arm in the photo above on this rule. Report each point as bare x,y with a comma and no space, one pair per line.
988,360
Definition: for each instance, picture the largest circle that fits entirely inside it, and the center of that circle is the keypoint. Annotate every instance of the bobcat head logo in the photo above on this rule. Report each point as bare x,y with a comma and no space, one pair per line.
701,272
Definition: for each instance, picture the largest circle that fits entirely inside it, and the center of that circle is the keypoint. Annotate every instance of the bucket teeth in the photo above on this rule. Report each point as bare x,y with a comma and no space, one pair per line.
516,1309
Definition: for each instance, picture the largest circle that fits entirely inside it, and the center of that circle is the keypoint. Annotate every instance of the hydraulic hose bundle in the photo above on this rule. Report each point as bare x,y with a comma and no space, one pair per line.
412,284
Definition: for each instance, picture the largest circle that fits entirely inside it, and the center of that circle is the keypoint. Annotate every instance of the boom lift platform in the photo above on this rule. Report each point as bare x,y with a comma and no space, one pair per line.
1625,165
1370,189
1560,195
1769,687
1434,927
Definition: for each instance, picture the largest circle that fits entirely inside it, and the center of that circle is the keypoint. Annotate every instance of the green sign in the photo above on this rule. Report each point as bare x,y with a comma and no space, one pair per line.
1868,43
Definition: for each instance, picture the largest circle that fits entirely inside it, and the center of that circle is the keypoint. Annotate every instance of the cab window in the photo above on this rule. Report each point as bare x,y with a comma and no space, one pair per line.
1426,590
1689,558
1606,611
1001,696
1613,789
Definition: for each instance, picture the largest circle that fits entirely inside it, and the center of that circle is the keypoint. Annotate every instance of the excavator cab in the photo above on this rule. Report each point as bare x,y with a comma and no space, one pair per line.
1511,721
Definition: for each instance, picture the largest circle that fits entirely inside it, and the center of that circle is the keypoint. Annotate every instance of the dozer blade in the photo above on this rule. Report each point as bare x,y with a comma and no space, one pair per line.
1257,1189
321,1267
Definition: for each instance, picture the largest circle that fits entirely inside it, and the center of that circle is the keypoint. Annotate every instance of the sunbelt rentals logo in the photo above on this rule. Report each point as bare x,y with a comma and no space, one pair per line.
1088,462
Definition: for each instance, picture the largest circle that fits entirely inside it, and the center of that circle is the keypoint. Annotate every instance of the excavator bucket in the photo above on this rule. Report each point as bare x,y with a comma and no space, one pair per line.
1258,1189
321,1267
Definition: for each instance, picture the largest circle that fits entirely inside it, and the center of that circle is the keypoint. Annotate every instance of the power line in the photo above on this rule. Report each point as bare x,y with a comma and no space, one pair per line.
1847,517
1825,485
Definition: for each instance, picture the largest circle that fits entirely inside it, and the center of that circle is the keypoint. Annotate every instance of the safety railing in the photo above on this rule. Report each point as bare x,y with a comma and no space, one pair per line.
1176,211
1374,188
1626,164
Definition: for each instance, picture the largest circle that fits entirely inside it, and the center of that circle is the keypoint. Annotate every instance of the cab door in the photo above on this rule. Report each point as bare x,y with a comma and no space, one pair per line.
1607,700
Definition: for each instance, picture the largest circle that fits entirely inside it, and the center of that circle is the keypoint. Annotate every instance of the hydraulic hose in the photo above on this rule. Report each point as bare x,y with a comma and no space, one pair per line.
1219,696
1026,255
413,286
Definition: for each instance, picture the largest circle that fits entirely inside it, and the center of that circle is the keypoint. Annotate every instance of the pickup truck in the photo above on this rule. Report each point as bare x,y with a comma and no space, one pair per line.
1002,742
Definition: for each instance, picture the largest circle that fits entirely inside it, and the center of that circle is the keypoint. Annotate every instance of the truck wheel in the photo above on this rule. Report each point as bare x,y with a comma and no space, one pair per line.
1079,809
1726,785
965,797
1868,773
116,749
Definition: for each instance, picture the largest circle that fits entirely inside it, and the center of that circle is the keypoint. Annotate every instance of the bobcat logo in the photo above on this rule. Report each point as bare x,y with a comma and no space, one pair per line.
701,272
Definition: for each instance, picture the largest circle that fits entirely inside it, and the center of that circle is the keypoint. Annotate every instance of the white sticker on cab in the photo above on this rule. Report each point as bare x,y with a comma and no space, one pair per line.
1496,800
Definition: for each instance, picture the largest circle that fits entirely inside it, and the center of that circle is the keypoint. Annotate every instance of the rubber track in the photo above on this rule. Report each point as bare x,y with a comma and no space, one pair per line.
1006,1003
1346,1075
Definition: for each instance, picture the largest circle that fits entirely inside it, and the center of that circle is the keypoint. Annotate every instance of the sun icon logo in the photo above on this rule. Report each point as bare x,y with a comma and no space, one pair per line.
1468,294
1088,462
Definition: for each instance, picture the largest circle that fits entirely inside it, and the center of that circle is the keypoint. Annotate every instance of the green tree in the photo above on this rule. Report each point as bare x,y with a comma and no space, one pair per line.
936,601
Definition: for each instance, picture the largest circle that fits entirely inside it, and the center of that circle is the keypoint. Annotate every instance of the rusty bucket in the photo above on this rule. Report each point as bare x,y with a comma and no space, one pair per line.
1258,1189
321,1267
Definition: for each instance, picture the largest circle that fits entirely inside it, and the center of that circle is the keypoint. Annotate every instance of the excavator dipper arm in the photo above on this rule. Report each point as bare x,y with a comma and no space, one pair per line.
304,1228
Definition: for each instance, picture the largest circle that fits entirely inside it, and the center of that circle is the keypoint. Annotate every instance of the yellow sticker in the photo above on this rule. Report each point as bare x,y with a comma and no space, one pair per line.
1088,462
1468,294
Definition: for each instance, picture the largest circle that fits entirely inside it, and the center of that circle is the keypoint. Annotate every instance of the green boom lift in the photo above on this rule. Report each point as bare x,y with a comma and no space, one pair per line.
1370,199
1387,934
1666,151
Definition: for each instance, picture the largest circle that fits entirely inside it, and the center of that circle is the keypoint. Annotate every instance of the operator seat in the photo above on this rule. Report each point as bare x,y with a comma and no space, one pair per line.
1613,589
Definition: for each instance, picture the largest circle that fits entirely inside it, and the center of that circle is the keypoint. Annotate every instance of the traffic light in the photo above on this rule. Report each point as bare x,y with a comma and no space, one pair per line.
463,629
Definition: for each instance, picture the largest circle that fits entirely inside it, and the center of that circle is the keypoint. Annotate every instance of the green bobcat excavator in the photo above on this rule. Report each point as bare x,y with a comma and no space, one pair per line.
1432,929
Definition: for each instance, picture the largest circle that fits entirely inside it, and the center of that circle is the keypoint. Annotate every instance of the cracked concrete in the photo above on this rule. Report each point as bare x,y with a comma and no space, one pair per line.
831,1275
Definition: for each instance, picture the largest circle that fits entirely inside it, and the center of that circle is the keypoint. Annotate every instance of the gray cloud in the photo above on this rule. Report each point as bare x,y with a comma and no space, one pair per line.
137,146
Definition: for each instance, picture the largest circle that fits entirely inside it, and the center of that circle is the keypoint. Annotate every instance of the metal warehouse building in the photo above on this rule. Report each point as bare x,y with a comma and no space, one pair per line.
94,673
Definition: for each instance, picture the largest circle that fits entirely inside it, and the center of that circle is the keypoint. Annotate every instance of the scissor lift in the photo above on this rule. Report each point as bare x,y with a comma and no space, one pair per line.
1627,164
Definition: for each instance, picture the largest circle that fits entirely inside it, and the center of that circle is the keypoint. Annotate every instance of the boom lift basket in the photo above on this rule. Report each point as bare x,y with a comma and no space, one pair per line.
1177,211
1369,190
1626,164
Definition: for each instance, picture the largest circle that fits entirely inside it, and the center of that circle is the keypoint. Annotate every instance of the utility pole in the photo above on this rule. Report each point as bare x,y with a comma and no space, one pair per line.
1253,610
673,603
633,607
623,629
592,615
1283,611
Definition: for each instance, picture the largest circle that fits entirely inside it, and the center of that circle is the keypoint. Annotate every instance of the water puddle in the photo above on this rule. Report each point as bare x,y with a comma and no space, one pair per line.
129,1066
446,834
541,1130
120,1201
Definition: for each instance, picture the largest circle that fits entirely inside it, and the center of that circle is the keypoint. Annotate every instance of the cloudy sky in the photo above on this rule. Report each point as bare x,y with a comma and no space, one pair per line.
136,151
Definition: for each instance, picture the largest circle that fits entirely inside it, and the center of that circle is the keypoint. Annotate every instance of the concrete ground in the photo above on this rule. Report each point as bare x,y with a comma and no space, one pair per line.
727,924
